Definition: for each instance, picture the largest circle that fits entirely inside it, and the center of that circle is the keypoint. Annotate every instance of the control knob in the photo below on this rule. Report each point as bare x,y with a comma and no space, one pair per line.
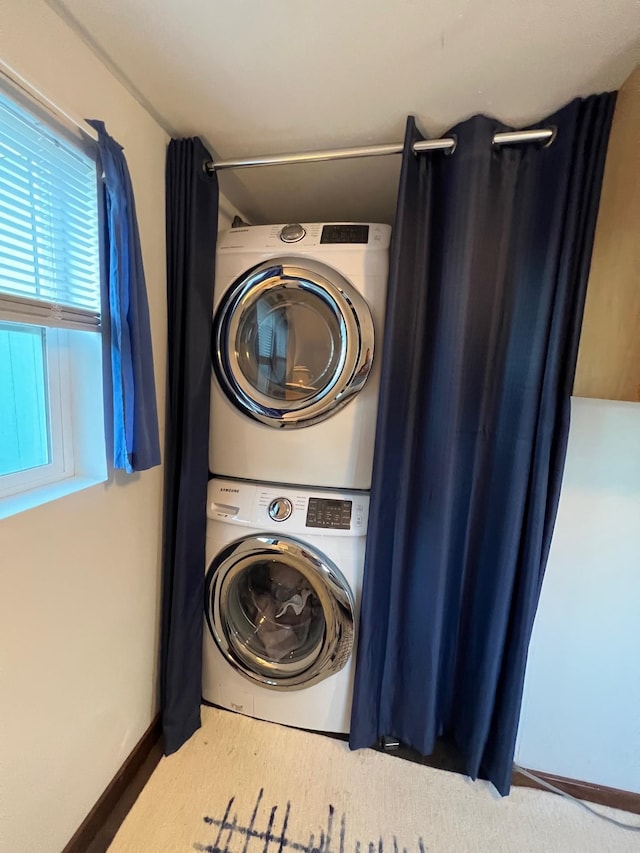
280,509
292,233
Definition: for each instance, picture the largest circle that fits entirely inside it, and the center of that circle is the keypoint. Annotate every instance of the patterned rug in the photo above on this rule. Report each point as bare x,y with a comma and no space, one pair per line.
244,786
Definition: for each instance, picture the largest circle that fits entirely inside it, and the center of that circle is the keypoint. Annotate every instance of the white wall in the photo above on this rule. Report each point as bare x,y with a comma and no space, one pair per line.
581,710
80,577
226,212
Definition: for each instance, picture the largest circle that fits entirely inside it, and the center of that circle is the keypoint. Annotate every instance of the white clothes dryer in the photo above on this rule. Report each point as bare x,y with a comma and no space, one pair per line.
296,345
282,594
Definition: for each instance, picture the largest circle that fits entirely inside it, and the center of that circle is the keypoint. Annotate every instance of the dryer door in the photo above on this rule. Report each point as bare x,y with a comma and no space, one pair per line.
280,612
292,342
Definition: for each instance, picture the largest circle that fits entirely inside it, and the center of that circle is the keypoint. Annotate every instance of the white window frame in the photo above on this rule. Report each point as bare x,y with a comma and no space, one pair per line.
73,380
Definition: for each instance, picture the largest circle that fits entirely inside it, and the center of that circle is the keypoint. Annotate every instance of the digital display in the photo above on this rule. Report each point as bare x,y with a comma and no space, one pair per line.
328,513
345,234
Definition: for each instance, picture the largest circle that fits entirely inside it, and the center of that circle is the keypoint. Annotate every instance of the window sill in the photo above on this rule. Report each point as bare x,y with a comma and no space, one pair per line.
14,504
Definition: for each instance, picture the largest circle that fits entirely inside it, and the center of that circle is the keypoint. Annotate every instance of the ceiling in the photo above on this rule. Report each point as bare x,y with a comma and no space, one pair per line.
256,77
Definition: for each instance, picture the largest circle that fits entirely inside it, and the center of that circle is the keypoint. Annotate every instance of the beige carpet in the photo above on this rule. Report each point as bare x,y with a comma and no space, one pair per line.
243,786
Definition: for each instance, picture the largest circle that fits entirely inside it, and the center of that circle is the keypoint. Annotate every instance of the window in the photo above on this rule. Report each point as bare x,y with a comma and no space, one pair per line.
51,403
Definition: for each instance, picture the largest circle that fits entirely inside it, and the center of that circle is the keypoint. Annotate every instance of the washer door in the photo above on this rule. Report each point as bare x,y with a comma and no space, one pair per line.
280,612
292,344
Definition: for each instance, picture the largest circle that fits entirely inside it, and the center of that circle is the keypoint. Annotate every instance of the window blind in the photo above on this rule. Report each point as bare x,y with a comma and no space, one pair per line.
49,238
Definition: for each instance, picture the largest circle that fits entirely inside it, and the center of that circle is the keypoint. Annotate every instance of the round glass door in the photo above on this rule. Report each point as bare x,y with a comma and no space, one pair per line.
280,613
290,345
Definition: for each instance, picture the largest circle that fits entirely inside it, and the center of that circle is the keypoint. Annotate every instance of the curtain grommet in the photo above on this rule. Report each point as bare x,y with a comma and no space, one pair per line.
449,151
554,132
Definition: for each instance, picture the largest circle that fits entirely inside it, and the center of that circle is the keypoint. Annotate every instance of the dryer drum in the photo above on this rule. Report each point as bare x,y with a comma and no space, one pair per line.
280,612
291,344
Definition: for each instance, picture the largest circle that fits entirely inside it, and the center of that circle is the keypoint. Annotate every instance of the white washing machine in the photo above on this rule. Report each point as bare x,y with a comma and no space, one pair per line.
282,595
296,344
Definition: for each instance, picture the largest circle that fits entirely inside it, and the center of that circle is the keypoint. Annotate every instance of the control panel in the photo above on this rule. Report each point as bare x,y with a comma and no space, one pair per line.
288,509
307,236
345,234
329,513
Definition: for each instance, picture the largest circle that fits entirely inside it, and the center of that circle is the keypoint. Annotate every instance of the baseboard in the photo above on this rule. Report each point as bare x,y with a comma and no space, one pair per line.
98,815
628,801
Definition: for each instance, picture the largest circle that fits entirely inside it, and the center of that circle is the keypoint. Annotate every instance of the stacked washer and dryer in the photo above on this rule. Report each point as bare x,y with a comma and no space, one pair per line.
296,342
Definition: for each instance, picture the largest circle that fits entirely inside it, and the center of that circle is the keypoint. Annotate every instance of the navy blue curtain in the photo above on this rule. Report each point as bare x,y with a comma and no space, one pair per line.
136,445
192,227
488,274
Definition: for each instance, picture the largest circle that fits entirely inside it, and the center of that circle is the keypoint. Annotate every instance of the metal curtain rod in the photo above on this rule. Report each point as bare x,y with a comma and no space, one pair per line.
545,134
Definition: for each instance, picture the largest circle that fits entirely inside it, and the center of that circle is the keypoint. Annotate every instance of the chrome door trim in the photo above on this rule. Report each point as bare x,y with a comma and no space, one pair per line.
330,587
356,328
